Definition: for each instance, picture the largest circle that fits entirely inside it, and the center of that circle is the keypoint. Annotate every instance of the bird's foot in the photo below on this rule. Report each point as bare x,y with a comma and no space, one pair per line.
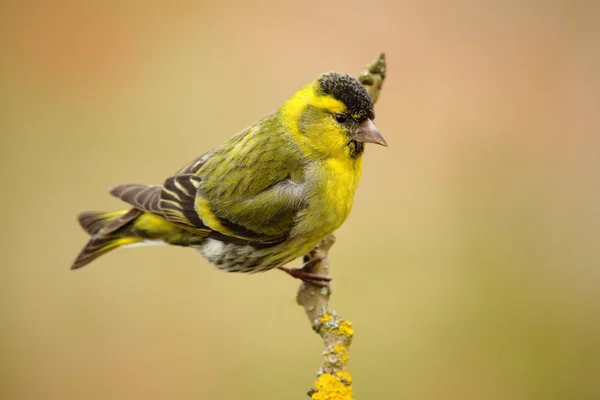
305,275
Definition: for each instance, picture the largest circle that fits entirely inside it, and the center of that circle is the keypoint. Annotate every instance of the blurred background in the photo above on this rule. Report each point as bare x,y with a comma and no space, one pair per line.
470,265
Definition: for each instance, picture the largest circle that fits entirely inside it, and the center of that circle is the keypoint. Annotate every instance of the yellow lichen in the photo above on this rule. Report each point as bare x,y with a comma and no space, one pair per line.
346,329
345,377
342,352
330,387
325,318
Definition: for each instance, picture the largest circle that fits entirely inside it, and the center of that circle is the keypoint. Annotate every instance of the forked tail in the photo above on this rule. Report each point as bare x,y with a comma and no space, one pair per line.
107,233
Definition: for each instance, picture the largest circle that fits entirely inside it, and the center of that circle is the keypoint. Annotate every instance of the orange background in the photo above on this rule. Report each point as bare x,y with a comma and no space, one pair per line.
470,265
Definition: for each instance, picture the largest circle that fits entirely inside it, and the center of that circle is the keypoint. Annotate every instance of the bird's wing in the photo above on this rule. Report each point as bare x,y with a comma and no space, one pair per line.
249,190
267,218
173,200
253,185
142,197
178,201
195,165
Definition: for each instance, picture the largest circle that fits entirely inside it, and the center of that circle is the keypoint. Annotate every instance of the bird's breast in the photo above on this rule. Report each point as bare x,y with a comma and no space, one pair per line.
330,195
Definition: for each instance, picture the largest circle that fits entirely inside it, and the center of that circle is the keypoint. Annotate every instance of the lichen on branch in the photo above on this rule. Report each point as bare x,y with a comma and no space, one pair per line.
334,382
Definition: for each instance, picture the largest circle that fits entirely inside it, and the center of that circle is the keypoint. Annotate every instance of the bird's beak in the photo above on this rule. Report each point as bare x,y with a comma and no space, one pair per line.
367,132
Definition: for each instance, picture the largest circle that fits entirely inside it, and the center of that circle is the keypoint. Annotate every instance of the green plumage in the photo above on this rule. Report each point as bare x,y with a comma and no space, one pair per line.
262,198
252,180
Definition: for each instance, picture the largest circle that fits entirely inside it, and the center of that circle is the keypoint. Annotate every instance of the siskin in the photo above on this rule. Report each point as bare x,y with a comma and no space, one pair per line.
266,196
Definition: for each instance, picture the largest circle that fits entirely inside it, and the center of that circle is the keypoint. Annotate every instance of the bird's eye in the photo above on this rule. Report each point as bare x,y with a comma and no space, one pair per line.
341,118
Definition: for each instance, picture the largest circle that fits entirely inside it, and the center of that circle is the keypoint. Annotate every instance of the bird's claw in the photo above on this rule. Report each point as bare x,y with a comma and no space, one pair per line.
305,275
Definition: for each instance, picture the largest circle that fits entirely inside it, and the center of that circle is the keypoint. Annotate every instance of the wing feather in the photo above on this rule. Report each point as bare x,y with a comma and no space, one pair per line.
247,191
174,200
143,197
178,198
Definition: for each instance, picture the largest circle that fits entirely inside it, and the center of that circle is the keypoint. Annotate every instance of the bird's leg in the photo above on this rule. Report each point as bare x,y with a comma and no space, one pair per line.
305,275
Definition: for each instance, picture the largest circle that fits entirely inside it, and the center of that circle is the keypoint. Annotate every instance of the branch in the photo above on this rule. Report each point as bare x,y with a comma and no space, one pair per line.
334,382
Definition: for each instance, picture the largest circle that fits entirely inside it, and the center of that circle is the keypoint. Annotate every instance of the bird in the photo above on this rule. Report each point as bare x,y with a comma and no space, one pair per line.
261,199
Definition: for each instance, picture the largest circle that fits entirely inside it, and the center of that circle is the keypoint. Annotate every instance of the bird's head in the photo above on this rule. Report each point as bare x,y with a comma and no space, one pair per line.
332,115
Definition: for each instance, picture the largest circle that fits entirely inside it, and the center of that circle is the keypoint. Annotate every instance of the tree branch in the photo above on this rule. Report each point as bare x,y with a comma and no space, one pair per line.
334,382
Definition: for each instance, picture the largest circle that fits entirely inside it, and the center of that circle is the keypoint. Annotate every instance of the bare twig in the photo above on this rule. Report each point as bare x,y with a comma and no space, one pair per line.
334,382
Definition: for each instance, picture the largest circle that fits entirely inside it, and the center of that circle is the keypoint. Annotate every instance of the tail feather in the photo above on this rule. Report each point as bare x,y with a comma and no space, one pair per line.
95,221
99,245
103,227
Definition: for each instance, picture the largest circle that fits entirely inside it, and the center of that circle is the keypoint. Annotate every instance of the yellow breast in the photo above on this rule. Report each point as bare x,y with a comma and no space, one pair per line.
330,196
341,180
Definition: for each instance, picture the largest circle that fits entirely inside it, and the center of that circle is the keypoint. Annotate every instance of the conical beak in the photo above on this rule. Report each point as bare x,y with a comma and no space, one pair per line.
367,132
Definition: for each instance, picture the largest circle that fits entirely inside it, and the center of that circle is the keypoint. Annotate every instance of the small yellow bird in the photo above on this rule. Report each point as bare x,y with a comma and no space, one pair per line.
266,196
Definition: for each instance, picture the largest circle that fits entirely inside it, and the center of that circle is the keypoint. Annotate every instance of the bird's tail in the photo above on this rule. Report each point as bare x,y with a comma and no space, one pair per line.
106,233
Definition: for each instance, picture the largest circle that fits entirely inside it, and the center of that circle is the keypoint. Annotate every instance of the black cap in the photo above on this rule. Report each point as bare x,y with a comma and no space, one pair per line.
349,91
